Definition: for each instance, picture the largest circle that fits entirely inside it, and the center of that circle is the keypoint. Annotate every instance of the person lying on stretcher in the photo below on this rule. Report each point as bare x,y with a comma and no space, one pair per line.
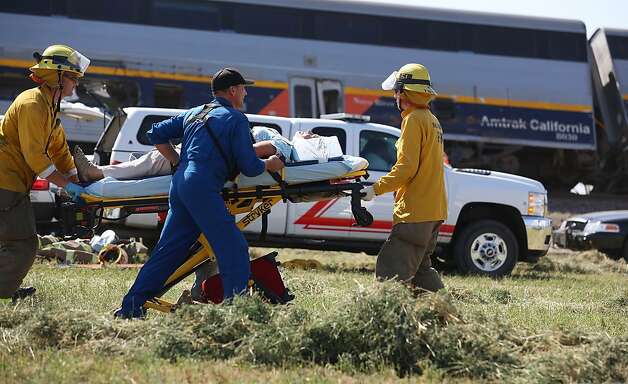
268,142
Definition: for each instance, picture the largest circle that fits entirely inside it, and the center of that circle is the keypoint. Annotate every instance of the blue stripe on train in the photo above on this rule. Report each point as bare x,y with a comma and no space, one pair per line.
545,127
554,128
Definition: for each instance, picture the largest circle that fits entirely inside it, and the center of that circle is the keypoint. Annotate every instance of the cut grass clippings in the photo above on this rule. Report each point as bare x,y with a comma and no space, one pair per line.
343,326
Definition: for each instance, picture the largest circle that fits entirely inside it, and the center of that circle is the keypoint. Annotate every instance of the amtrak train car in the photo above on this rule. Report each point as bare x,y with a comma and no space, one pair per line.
609,49
514,92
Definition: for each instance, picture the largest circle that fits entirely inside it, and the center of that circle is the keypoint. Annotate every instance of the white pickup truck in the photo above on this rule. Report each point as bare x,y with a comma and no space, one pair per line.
495,219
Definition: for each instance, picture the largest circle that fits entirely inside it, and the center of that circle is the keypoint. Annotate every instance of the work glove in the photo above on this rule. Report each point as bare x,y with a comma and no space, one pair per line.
367,193
75,190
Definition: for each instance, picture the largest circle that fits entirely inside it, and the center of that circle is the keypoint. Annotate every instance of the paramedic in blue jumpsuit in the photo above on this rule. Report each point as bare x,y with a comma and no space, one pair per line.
196,205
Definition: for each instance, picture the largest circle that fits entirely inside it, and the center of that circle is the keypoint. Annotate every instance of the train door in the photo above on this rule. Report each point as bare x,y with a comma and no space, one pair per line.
329,94
314,97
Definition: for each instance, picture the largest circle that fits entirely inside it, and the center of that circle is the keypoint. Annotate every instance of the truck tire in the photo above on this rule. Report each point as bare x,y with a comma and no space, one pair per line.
626,250
486,247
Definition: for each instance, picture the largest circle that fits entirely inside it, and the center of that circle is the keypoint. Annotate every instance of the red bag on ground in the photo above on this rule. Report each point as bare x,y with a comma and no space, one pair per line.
266,280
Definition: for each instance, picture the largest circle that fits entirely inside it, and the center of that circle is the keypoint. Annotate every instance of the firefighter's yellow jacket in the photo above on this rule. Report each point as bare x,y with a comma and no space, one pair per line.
418,175
32,142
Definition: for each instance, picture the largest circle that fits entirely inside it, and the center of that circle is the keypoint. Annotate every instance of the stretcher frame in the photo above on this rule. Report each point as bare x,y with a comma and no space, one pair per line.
257,201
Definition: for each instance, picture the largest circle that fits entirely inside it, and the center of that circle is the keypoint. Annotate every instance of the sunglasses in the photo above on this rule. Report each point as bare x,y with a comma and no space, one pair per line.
71,77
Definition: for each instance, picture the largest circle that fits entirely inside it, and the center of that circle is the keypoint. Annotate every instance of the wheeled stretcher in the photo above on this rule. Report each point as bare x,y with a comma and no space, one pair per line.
253,200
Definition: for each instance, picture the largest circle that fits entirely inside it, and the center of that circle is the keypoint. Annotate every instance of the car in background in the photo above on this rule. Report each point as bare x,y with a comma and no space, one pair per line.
605,231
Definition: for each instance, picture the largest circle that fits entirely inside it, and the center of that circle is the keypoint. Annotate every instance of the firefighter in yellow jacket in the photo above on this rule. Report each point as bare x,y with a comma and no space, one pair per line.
417,179
32,143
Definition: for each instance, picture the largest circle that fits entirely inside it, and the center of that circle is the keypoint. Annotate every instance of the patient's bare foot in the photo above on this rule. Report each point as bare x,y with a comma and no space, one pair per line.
86,170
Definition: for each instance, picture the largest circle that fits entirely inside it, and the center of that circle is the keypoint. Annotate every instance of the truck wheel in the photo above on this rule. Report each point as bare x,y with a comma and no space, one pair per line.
626,250
613,254
486,247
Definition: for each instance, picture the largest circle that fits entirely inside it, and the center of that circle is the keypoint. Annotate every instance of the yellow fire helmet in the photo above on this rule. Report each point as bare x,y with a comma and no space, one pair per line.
410,77
60,58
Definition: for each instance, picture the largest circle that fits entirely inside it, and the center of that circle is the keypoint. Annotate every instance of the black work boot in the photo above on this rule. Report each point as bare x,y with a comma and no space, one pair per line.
119,314
22,293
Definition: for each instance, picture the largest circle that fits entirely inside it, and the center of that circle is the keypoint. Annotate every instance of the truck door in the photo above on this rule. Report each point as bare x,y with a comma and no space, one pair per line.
327,218
313,97
378,147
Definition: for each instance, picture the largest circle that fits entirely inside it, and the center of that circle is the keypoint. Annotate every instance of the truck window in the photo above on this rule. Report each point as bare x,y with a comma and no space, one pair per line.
378,149
147,124
276,127
331,131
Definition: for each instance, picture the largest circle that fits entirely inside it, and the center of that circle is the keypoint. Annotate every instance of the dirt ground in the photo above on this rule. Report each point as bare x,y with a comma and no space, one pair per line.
564,205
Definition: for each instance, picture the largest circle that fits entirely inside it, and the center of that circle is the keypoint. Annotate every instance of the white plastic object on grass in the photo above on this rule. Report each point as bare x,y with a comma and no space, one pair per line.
98,242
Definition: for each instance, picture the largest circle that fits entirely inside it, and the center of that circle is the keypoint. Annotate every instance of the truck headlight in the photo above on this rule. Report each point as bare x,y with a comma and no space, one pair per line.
598,226
537,203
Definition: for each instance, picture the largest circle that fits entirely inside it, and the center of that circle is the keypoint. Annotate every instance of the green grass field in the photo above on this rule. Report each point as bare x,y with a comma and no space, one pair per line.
564,319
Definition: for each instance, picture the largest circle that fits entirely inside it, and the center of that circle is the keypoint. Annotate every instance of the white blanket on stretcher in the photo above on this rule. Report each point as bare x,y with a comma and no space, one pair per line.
154,186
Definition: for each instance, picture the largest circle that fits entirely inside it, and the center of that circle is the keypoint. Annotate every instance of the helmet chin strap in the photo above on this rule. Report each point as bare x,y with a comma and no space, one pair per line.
399,104
58,106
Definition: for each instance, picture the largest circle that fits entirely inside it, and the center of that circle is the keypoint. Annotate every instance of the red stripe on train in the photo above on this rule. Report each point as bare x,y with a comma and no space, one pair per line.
278,106
359,104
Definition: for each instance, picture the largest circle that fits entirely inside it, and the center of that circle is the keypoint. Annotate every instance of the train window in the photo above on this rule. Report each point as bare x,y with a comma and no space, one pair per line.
168,96
303,101
33,7
263,20
332,131
119,11
391,26
331,100
351,28
186,14
442,35
147,124
378,148
504,41
618,46
567,46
